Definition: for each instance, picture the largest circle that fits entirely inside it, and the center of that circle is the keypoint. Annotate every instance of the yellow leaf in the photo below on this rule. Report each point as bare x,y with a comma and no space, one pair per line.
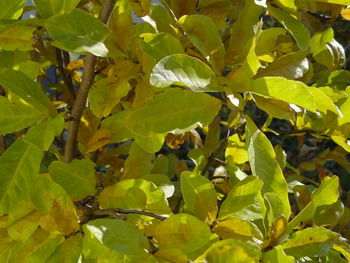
100,138
345,13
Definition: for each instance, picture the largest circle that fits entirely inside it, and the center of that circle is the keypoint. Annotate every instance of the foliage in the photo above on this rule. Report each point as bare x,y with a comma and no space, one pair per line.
174,131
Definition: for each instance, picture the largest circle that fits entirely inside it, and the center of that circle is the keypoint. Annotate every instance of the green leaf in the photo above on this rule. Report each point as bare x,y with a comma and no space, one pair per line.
243,200
291,66
174,110
338,2
183,70
82,32
327,193
11,10
262,159
141,194
199,196
28,90
47,130
17,116
295,27
188,234
20,165
267,43
38,248
17,37
306,214
68,251
276,255
204,35
160,45
243,31
49,8
320,51
233,251
118,235
295,92
138,163
76,178
116,125
310,242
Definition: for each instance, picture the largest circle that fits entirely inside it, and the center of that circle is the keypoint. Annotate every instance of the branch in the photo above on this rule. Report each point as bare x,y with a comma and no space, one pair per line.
2,144
86,83
115,213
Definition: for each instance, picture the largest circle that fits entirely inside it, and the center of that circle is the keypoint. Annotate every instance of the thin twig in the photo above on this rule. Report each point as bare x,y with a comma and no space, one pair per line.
86,83
61,68
139,212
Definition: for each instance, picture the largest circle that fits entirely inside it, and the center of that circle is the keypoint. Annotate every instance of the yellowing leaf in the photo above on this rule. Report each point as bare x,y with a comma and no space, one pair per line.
345,13
237,228
140,7
76,178
232,251
188,234
204,35
100,138
236,149
17,37
142,194
199,196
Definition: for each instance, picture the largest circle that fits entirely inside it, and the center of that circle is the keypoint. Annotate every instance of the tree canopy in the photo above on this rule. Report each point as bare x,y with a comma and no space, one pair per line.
174,131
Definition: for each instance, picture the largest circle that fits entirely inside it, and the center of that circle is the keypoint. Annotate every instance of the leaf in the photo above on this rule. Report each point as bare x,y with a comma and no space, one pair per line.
236,149
116,125
140,7
99,139
82,33
17,37
48,8
69,251
306,214
267,43
160,45
11,10
291,66
188,234
243,200
129,240
37,248
243,31
76,178
58,209
28,90
275,108
204,35
295,27
237,228
20,165
108,92
25,226
199,196
277,255
17,116
345,13
141,194
295,92
310,242
262,159
233,251
138,163
183,70
327,193
174,110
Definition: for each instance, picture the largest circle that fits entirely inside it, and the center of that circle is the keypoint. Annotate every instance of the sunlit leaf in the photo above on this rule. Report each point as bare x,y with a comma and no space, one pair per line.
11,9
82,33
199,196
49,8
262,159
185,71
